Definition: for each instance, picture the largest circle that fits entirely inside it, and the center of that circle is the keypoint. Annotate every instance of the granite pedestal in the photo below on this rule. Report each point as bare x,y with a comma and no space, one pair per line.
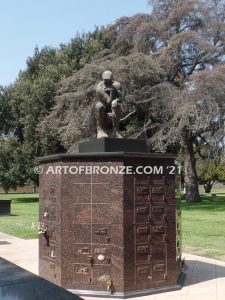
109,231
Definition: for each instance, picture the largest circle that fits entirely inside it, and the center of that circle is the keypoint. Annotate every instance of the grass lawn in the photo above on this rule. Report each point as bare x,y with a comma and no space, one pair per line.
24,211
203,226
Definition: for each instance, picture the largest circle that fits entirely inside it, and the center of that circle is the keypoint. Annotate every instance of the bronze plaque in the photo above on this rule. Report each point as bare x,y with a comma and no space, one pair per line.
143,250
158,229
142,190
158,210
142,210
101,231
160,189
100,251
83,271
84,251
143,270
143,230
159,268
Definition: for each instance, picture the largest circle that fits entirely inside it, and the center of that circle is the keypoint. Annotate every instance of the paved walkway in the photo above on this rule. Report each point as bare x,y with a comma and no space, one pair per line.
205,277
23,253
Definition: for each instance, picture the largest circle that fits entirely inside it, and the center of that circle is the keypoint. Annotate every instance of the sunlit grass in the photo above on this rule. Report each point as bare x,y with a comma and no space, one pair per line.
203,226
24,211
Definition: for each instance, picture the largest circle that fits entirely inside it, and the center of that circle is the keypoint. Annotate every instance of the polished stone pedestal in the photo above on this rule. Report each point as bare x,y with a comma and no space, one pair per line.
116,230
102,145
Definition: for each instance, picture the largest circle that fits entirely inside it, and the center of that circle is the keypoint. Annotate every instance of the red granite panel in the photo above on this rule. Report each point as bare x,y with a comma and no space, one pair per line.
122,226
101,214
82,214
82,233
101,233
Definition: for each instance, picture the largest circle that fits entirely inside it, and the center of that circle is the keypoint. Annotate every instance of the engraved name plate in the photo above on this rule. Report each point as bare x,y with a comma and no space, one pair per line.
83,251
159,268
158,210
143,250
143,270
102,231
158,229
100,250
82,271
142,190
142,210
158,189
143,230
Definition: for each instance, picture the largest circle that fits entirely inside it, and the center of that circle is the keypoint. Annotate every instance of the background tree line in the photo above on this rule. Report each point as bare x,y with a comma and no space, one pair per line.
171,65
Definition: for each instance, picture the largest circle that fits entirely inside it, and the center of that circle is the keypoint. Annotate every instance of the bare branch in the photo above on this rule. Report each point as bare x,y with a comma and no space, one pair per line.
128,116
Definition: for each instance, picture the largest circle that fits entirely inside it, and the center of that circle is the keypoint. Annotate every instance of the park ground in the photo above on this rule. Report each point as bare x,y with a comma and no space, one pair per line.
203,224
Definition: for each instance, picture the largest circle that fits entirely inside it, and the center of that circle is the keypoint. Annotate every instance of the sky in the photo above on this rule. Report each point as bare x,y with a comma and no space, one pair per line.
25,24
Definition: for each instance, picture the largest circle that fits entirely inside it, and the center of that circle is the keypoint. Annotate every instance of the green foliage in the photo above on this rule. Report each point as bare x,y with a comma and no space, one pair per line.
210,170
15,163
93,43
50,106
203,226
6,116
24,105
131,128
24,211
33,94
199,222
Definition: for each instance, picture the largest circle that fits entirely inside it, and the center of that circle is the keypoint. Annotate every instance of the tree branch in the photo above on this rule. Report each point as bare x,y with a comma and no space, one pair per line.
128,116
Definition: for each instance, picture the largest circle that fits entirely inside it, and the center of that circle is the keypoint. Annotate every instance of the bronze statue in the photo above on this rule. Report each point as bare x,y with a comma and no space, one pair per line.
108,109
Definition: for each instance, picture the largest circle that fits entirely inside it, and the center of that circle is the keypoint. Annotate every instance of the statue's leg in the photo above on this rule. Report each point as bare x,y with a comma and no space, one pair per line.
116,115
102,120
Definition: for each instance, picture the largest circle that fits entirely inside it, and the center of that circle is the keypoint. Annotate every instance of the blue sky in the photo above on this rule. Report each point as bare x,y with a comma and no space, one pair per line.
27,23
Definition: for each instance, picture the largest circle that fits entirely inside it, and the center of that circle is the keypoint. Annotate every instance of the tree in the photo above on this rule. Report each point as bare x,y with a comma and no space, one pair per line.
29,100
170,63
209,171
13,163
72,118
186,38
6,116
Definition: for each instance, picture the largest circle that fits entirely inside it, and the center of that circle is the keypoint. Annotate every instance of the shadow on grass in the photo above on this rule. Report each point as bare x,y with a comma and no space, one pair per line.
206,204
25,200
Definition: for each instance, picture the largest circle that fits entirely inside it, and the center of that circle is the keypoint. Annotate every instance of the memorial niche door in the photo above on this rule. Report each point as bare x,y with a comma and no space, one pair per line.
121,226
93,231
154,231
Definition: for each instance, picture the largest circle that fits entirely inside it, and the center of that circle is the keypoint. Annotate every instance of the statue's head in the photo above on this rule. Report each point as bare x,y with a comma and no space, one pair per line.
107,76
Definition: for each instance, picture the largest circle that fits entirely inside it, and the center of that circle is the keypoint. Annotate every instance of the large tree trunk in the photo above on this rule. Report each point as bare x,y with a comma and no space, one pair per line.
191,182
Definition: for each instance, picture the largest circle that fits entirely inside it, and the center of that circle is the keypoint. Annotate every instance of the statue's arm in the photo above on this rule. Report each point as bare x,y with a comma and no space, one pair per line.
119,90
102,95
